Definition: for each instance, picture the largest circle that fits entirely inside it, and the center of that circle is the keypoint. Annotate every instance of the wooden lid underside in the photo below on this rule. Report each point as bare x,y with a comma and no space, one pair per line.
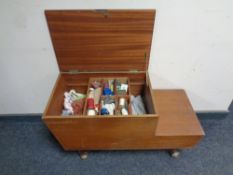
101,40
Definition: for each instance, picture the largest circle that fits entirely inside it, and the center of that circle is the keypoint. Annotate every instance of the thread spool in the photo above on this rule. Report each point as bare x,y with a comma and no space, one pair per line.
107,91
97,94
111,85
106,85
91,112
122,102
124,111
91,93
96,84
77,106
104,111
90,103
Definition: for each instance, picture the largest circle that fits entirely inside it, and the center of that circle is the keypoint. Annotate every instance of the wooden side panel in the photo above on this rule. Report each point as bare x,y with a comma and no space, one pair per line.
101,133
56,97
177,116
148,96
148,100
106,40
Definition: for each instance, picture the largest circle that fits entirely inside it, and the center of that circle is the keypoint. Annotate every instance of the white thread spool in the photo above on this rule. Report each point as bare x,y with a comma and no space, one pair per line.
122,102
124,111
91,112
91,93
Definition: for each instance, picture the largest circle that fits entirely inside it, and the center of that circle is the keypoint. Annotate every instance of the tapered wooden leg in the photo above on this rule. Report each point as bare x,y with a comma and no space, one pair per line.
83,155
175,153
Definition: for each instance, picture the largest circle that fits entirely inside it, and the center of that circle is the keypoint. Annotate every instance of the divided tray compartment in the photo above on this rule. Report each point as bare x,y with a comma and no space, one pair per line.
103,97
127,99
122,80
105,80
135,87
116,95
92,80
79,89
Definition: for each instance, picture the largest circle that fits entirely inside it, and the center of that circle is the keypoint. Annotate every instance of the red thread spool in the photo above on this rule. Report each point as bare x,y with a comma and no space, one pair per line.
90,103
77,106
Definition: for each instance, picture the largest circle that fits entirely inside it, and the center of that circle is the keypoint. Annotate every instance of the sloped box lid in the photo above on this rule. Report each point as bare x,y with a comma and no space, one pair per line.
101,40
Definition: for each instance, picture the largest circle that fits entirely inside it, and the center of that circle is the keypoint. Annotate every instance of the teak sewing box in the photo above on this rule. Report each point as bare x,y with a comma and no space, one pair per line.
112,44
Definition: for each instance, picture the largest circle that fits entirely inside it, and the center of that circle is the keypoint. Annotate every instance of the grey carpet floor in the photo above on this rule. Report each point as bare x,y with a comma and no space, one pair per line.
26,147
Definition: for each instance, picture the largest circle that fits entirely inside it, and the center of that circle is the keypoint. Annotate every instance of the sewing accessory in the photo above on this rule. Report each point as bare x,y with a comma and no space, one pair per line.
96,84
111,85
124,111
107,106
77,106
97,94
110,108
65,112
106,85
71,97
109,100
104,111
118,112
67,106
137,105
91,93
122,88
123,106
107,91
90,103
91,112
97,106
122,102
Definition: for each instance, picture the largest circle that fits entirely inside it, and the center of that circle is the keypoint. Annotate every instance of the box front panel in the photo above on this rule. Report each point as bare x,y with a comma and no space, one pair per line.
101,133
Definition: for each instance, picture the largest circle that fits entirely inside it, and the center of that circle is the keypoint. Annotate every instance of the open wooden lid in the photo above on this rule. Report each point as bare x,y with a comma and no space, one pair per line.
101,40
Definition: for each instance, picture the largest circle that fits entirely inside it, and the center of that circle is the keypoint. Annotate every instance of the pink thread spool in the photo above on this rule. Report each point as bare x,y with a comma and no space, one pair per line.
106,85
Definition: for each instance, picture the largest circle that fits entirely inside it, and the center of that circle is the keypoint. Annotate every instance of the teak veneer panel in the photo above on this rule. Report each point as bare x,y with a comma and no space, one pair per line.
177,117
100,132
101,40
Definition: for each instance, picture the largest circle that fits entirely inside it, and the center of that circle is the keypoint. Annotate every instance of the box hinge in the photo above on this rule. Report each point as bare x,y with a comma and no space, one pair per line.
75,71
133,71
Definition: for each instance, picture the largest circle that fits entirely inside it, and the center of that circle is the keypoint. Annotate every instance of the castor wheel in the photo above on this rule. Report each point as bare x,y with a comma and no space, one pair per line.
83,155
175,153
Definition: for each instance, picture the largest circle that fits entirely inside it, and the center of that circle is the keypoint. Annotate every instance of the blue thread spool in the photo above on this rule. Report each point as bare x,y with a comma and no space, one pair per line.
107,91
104,111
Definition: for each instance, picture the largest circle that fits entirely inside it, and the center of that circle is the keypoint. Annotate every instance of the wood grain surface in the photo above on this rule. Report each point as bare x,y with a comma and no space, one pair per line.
177,116
100,132
101,40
